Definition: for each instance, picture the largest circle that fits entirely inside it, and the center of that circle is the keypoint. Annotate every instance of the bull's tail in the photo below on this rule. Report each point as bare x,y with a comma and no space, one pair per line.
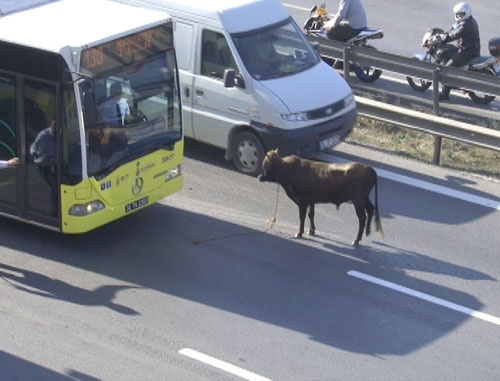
378,222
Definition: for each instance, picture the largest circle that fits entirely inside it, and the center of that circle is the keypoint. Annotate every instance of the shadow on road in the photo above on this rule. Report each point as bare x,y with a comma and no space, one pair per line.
41,285
282,282
15,368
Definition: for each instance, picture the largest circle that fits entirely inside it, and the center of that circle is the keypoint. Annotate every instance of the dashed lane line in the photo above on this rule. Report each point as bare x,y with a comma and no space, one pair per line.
222,365
429,298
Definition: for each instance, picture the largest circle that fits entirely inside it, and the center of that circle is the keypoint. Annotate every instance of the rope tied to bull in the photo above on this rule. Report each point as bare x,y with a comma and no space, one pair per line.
271,223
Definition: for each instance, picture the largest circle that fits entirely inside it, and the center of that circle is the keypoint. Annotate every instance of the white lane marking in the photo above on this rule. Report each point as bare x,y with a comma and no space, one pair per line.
483,201
426,297
296,7
209,360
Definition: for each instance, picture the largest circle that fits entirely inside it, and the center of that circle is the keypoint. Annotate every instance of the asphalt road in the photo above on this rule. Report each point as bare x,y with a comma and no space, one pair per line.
145,297
200,274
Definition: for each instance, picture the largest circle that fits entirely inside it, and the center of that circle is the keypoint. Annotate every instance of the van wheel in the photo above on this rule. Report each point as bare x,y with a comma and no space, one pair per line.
248,153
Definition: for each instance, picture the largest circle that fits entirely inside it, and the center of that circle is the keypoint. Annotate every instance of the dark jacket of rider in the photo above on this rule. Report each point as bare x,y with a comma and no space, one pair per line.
466,33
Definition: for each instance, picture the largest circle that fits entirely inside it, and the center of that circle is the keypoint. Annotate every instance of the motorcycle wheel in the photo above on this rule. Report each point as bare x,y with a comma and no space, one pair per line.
418,84
367,73
481,98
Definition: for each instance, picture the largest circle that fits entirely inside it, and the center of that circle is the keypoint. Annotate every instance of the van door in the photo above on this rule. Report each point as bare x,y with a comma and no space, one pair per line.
217,109
184,38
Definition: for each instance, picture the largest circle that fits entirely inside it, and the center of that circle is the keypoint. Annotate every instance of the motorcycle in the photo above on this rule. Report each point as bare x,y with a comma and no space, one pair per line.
440,53
314,26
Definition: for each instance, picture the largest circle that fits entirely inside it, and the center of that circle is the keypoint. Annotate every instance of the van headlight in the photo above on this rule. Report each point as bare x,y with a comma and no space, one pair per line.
295,117
349,100
81,210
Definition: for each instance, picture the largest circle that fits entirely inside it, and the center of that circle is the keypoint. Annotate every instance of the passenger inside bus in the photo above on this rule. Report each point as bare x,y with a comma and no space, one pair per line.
44,153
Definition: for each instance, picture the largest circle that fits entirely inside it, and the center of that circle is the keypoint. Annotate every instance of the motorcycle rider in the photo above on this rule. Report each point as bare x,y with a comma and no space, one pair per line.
466,32
349,20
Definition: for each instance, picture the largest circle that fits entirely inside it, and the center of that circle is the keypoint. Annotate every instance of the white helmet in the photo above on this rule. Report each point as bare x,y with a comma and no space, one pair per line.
462,11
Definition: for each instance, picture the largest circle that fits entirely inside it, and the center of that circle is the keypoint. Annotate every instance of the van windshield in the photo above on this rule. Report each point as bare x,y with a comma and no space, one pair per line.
274,52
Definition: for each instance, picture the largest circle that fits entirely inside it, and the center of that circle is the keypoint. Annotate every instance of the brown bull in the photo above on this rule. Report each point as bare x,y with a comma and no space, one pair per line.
309,182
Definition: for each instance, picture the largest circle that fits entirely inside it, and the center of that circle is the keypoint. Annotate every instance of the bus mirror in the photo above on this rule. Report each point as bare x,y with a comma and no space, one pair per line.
229,77
89,108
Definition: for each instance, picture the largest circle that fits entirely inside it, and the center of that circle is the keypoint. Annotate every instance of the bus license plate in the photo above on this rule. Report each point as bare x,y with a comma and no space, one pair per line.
330,142
136,204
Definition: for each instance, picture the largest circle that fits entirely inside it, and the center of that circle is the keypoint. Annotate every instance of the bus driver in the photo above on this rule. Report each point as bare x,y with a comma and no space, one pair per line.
115,111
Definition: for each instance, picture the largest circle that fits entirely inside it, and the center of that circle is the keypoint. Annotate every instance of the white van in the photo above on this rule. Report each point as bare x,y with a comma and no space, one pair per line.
251,82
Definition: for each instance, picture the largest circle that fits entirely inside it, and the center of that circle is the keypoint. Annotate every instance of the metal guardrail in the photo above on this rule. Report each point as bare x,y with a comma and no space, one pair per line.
433,124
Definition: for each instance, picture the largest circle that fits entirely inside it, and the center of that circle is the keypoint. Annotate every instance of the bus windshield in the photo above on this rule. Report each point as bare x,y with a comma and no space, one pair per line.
274,52
129,99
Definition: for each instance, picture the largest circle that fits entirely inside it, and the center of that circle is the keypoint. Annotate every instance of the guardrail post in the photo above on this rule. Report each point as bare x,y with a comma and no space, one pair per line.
347,65
435,87
438,141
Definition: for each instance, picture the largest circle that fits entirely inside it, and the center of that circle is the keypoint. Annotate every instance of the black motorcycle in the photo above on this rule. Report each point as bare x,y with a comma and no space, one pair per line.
314,26
440,53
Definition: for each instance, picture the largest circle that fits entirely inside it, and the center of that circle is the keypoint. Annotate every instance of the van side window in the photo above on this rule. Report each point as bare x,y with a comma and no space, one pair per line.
216,55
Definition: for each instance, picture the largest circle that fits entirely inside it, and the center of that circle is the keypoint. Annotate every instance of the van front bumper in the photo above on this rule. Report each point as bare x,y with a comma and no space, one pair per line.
308,140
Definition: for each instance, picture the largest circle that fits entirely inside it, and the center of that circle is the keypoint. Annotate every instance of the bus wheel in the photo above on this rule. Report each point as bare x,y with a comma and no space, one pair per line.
248,153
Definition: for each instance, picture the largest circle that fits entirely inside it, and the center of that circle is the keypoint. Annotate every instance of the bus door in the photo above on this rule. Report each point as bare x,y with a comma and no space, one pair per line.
9,197
40,180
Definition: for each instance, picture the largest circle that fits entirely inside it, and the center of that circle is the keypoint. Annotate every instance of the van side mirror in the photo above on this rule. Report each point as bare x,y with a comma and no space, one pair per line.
229,77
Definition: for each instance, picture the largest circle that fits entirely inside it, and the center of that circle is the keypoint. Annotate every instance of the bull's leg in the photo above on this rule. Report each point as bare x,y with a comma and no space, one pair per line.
369,210
302,218
312,227
360,212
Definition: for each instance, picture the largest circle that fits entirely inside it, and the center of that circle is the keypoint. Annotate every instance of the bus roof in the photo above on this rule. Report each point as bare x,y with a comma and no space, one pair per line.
56,25
235,15
9,6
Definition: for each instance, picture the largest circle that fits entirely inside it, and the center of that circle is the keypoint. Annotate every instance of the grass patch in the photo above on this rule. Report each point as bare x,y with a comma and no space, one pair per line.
420,146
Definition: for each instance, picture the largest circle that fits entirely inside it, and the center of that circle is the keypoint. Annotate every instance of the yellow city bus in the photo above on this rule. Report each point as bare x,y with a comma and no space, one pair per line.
89,103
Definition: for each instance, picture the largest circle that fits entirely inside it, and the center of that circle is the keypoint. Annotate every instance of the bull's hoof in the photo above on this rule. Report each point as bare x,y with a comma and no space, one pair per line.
311,232
355,243
298,235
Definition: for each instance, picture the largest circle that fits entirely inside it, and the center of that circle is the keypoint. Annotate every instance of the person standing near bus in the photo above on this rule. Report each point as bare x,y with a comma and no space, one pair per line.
349,20
12,163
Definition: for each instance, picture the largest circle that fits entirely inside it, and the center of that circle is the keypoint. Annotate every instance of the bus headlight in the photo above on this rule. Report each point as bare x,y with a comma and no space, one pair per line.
86,209
173,173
